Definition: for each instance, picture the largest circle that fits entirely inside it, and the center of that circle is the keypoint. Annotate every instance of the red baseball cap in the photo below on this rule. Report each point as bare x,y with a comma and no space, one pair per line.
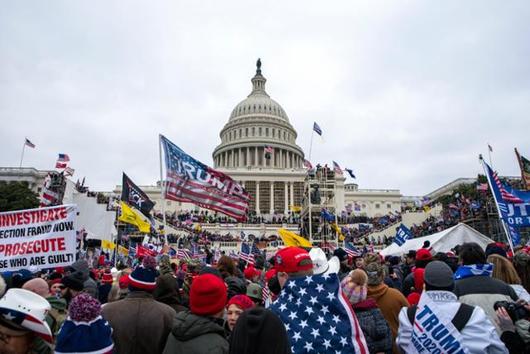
292,260
250,272
423,254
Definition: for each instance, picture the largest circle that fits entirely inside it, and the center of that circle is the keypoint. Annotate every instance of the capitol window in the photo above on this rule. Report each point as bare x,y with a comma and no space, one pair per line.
253,131
240,134
284,135
259,131
266,131
389,206
246,131
377,205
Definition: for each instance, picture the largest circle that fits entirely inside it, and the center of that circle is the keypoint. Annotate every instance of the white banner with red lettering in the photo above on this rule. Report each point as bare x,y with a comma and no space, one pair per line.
38,238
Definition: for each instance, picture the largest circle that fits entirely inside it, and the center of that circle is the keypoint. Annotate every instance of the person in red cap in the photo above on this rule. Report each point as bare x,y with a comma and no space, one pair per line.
252,274
292,262
200,330
414,281
235,307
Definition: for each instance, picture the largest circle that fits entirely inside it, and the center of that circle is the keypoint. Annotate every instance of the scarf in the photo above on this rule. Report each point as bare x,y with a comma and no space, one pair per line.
471,270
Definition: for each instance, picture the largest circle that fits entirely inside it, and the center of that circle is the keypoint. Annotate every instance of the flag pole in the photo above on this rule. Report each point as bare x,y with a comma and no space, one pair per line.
311,143
22,155
489,154
508,237
162,191
521,167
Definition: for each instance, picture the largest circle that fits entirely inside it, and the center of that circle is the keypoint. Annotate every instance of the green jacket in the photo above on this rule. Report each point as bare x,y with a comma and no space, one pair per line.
192,334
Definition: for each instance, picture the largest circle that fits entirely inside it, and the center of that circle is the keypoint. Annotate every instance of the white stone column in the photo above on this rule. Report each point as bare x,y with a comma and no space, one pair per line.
240,157
257,198
256,156
286,195
292,192
234,158
272,198
248,156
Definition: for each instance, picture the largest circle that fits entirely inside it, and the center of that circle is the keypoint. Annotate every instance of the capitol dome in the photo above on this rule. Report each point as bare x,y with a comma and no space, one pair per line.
258,134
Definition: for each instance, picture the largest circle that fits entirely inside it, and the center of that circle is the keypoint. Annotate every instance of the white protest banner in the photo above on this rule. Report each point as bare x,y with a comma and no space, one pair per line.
38,238
433,332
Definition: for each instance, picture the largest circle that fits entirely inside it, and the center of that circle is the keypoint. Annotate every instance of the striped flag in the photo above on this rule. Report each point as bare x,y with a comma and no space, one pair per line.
308,165
351,250
29,143
183,253
508,197
337,168
69,171
189,180
246,253
317,129
269,149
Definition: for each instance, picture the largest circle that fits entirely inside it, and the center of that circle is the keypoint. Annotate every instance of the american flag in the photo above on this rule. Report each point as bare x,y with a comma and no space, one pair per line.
189,180
63,158
269,149
308,165
183,253
29,143
351,250
265,294
255,250
317,129
329,246
337,168
246,253
317,316
69,171
506,196
196,252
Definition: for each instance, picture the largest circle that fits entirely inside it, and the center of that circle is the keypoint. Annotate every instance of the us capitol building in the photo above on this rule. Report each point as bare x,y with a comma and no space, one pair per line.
275,178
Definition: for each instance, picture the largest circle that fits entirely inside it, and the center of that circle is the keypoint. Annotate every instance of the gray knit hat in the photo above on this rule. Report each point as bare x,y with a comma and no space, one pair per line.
439,275
375,273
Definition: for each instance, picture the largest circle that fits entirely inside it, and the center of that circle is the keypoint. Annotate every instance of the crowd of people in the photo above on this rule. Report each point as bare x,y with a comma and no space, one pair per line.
169,305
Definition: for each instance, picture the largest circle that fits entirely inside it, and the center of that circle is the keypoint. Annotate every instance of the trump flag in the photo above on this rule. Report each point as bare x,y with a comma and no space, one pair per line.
189,180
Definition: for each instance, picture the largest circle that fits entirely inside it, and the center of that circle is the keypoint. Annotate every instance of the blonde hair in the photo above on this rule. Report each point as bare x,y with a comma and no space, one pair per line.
503,269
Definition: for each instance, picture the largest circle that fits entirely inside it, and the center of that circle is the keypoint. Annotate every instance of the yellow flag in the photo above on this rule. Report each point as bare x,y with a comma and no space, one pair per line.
123,251
339,231
133,217
291,239
108,245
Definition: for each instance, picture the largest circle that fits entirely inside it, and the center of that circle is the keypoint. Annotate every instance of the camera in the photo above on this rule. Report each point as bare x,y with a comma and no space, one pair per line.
516,311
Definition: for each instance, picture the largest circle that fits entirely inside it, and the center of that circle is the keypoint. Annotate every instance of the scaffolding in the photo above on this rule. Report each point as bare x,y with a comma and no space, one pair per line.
319,194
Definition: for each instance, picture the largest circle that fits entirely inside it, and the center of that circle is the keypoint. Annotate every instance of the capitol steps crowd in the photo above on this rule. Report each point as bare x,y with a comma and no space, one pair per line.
162,305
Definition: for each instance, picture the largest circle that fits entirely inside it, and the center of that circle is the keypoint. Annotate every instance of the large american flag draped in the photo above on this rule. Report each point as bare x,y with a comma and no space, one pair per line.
189,180
318,318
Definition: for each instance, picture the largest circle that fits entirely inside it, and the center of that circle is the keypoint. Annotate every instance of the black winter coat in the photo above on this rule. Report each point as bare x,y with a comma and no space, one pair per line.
374,326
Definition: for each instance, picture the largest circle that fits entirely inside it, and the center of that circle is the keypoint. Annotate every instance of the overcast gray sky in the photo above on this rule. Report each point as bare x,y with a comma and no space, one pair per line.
408,93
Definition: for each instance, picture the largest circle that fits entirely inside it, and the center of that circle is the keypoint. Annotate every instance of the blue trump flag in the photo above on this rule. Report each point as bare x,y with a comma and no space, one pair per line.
513,204
317,316
402,235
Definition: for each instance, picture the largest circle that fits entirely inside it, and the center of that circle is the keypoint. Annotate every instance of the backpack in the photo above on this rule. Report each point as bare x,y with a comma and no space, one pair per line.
460,319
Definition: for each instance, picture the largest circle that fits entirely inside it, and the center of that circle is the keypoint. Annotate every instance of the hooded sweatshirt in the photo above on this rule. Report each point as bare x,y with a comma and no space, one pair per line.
192,334
80,271
390,301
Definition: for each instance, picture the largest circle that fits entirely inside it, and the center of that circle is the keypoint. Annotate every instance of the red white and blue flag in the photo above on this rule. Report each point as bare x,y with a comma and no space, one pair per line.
189,180
351,250
62,161
317,316
246,253
29,143
337,168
